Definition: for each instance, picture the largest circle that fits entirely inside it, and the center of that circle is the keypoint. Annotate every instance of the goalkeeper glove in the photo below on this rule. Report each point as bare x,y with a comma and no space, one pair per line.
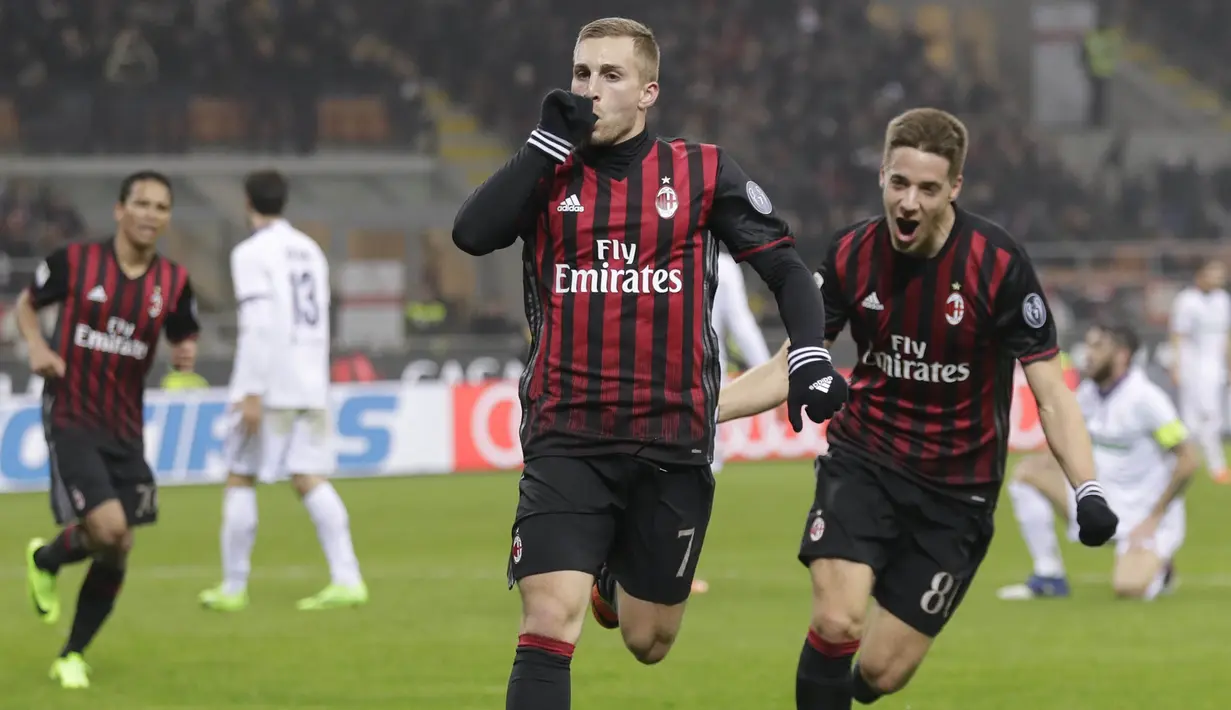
1096,522
814,385
565,123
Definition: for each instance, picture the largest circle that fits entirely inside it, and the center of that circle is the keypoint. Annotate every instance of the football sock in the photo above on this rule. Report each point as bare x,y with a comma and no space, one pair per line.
861,691
94,604
822,680
1211,444
328,513
239,522
540,678
69,546
1035,516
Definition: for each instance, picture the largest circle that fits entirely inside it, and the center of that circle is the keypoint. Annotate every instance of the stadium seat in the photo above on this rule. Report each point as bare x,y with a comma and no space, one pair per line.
353,120
10,130
214,120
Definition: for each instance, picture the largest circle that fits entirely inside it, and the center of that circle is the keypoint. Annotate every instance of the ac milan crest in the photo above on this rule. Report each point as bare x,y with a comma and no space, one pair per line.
818,528
666,202
516,549
156,302
955,308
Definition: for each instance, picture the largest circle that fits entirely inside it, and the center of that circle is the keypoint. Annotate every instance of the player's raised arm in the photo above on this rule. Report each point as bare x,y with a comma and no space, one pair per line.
743,218
506,204
1027,330
50,286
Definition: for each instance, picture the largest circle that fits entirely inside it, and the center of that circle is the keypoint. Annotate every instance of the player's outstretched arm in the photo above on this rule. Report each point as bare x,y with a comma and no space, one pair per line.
744,219
1062,420
506,204
1069,440
760,389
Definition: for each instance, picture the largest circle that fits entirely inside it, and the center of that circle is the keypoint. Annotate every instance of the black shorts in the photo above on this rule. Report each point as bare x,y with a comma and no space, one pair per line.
89,468
923,546
645,521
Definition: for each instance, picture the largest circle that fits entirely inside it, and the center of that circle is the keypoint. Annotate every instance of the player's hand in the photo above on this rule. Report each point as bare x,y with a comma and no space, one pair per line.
46,363
565,122
1096,522
184,355
250,409
813,385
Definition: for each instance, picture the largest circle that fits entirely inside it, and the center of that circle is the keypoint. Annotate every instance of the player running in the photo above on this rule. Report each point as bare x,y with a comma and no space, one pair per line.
941,304
619,394
1144,460
280,399
117,298
1200,327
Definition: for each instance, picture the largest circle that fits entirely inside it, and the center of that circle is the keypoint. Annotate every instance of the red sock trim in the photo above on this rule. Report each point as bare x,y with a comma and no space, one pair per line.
831,649
543,643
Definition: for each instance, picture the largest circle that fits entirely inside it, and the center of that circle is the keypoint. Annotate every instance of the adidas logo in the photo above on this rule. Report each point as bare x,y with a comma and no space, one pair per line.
97,294
822,385
571,204
873,303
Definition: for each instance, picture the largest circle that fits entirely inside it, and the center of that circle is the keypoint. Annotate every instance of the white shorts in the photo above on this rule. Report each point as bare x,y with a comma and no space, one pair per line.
291,441
1202,405
1168,537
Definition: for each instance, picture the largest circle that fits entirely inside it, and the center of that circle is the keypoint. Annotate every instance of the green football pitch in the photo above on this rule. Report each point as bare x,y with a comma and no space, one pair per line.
440,631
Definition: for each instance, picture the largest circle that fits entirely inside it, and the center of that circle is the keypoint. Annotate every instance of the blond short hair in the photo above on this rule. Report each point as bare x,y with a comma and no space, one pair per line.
644,45
931,131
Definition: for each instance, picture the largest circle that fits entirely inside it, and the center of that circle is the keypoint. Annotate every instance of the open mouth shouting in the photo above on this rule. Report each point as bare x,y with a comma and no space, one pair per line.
907,229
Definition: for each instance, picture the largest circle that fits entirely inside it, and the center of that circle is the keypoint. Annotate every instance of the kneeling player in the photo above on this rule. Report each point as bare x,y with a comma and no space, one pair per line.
1144,458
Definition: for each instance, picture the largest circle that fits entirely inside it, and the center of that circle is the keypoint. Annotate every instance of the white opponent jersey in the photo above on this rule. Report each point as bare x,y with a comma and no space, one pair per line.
281,279
733,318
1203,322
1133,426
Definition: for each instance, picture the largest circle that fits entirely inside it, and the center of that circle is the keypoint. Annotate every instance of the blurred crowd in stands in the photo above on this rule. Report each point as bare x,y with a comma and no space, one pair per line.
1192,32
799,92
133,76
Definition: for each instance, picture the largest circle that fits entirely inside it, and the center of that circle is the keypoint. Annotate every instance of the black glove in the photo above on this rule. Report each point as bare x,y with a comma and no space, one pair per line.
814,385
1096,522
565,123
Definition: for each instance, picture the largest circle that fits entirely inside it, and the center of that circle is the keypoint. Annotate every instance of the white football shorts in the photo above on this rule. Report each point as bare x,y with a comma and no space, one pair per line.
291,441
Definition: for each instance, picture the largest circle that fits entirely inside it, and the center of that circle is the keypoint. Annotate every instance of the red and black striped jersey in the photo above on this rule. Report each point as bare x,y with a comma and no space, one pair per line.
937,341
107,333
620,274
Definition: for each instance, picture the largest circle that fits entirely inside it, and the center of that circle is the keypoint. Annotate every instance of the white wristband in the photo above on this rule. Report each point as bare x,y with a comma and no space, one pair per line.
807,355
1090,488
556,148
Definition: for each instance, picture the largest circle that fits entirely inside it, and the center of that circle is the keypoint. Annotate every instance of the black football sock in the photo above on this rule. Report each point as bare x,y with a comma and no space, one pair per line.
94,604
540,677
69,546
822,681
861,691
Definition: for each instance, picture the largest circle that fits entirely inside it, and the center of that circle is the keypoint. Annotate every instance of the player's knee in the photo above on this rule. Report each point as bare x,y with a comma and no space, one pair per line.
838,625
1129,589
235,480
887,674
304,483
112,543
649,644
